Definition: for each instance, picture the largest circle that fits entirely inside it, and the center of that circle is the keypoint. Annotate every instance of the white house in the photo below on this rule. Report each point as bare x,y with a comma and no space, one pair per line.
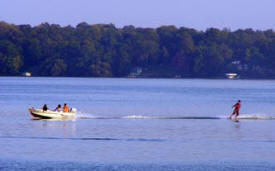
231,75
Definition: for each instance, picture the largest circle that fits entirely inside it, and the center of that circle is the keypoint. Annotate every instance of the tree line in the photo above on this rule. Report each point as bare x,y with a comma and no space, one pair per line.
102,50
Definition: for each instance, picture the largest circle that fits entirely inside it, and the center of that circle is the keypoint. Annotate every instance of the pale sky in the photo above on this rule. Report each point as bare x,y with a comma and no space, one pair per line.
198,14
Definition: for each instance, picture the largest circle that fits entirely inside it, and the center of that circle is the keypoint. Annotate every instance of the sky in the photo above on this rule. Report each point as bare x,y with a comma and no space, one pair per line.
197,14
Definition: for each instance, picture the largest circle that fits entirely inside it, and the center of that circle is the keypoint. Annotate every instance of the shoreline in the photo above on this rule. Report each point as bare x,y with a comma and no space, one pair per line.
187,78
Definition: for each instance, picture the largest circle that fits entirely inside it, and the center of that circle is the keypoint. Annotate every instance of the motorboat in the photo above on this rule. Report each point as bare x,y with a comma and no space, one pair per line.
50,114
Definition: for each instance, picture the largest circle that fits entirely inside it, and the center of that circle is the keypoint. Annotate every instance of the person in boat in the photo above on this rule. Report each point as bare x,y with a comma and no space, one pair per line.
66,108
45,108
236,110
58,108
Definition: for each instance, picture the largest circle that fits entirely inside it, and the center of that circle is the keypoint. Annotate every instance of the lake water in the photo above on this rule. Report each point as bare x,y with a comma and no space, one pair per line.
138,124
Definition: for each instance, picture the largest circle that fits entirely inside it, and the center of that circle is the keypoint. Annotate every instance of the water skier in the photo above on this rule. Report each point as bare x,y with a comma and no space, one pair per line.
236,110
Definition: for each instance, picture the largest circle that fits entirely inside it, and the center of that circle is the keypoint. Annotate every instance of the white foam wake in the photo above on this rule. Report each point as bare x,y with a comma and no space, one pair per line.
81,115
137,117
222,117
256,117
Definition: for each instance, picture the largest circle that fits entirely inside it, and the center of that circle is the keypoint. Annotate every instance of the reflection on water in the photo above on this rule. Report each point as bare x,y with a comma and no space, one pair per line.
68,128
237,126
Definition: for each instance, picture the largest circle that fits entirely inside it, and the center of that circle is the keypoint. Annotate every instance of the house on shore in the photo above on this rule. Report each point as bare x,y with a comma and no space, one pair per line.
135,72
27,74
231,75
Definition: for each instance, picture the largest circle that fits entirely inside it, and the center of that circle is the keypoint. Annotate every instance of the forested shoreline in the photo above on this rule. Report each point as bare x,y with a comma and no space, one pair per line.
102,50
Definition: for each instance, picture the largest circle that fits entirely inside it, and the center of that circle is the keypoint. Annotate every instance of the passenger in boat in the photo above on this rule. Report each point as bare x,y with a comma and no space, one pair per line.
45,108
58,108
66,108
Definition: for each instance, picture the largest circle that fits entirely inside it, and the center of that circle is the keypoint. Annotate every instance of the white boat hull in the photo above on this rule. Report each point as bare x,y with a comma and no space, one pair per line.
49,114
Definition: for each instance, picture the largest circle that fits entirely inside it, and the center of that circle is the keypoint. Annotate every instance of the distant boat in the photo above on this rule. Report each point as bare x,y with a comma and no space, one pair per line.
231,75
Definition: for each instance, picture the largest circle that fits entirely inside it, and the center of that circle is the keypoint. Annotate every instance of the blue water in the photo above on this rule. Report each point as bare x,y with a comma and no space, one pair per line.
138,124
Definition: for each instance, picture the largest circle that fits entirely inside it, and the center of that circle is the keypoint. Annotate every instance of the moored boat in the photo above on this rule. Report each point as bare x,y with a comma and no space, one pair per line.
49,114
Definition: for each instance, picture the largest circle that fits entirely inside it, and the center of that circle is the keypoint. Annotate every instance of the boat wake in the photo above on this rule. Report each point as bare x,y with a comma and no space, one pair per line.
242,117
83,138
